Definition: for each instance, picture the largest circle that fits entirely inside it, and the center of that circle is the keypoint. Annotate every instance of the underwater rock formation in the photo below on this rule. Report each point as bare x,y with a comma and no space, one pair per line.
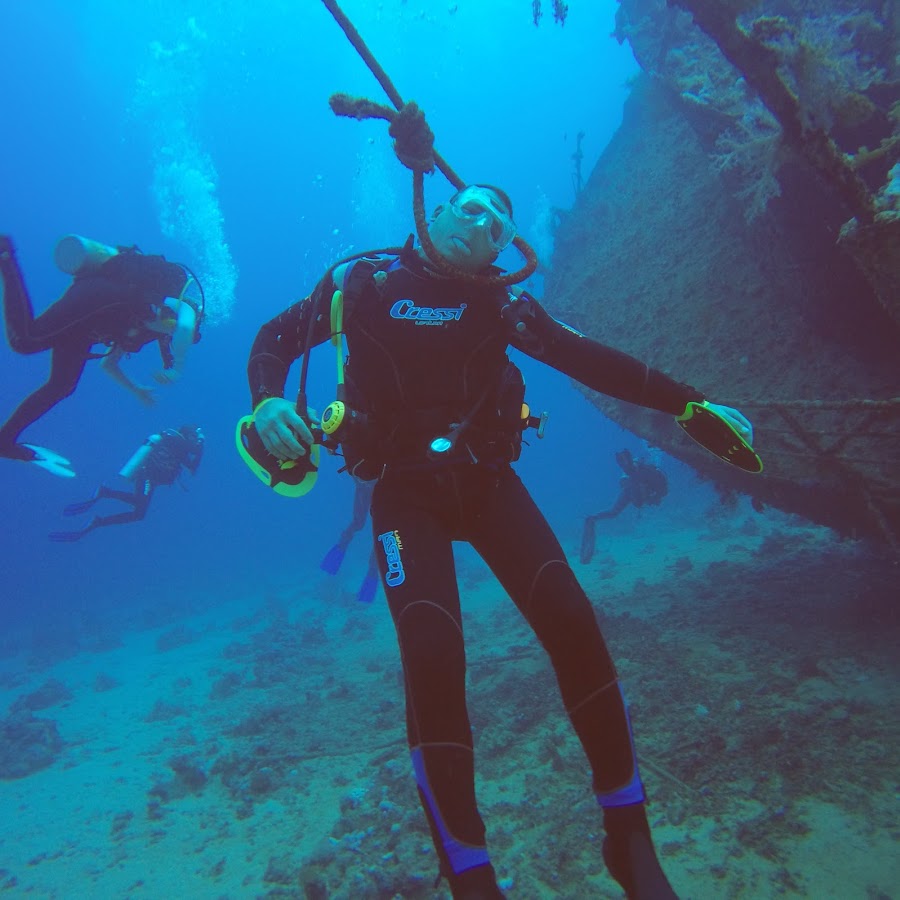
742,232
27,744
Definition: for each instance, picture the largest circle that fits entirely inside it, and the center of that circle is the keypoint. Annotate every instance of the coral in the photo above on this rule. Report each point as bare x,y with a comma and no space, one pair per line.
50,693
827,61
178,636
188,773
27,744
750,150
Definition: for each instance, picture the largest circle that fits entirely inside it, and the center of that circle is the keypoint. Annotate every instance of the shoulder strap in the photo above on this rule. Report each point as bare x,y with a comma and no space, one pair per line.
361,271
359,275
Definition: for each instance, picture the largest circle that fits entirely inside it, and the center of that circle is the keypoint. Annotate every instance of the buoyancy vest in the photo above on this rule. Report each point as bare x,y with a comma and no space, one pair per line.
425,354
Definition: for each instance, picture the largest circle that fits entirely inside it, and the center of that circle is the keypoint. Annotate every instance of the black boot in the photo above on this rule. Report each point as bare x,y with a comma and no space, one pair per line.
630,857
479,883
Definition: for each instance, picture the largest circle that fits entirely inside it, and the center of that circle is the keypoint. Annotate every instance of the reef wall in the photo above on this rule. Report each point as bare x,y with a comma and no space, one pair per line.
713,243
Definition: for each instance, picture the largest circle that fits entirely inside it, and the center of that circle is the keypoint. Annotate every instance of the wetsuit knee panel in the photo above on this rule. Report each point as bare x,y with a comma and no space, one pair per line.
430,638
559,607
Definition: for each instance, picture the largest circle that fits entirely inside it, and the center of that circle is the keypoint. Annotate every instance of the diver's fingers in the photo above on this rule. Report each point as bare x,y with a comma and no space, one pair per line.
299,428
736,419
287,442
741,422
281,442
282,430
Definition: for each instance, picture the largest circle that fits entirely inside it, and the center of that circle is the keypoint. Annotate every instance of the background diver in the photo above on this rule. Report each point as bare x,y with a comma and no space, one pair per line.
439,425
333,559
643,484
158,461
118,297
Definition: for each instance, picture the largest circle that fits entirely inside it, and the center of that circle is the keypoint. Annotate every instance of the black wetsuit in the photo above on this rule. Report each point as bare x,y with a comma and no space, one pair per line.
110,306
426,352
642,485
645,485
168,455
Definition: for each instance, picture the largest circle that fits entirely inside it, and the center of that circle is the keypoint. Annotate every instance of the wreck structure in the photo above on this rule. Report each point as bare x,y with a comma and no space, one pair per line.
742,232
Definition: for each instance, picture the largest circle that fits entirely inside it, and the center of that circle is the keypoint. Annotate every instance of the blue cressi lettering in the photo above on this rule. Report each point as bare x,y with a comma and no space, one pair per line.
390,540
426,315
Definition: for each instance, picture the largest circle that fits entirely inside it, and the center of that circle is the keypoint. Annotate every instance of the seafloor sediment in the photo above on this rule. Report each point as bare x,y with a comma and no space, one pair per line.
257,749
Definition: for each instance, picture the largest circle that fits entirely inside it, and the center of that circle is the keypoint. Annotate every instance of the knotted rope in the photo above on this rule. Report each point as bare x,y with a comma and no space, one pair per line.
414,147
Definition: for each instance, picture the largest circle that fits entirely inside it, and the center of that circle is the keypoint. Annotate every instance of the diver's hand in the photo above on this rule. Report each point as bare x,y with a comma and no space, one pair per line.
283,433
167,376
735,419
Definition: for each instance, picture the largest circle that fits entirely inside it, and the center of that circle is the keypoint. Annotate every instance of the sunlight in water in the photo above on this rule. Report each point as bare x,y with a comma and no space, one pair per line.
184,177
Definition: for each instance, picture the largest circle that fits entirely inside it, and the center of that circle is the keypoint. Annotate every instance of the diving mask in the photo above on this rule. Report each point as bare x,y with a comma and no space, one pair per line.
479,206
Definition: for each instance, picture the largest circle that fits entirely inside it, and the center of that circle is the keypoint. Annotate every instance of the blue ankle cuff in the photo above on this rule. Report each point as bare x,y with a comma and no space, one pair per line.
633,791
461,856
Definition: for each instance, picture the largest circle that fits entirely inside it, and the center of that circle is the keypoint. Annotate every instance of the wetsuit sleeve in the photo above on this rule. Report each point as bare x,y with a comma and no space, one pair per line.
595,365
280,341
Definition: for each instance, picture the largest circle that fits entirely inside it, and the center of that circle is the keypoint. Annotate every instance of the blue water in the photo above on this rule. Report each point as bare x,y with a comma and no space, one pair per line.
757,648
202,131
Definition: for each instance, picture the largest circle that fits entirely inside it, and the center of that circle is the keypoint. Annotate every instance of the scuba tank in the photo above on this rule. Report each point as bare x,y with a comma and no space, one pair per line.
76,255
139,457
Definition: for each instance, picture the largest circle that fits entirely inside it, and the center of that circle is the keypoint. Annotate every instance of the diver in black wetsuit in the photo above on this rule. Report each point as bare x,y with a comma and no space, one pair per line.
439,424
125,303
642,484
158,461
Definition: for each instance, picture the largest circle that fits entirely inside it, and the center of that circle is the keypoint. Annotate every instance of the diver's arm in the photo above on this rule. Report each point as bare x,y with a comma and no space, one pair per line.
110,365
181,341
183,336
595,365
276,346
280,341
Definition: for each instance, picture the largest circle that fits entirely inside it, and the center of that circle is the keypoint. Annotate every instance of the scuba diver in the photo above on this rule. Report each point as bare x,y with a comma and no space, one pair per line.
118,297
433,414
643,484
333,559
158,461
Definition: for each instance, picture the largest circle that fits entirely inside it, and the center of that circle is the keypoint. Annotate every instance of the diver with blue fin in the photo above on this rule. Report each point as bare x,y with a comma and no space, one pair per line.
334,558
159,461
119,298
642,484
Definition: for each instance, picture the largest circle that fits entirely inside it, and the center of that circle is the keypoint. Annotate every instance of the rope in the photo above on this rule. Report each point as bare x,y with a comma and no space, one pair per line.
414,147
821,404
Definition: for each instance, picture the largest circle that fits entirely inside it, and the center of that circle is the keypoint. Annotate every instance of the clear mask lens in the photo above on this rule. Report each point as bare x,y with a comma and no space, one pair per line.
480,207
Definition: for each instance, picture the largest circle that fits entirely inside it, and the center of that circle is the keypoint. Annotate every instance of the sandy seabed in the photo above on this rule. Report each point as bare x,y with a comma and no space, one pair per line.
256,749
